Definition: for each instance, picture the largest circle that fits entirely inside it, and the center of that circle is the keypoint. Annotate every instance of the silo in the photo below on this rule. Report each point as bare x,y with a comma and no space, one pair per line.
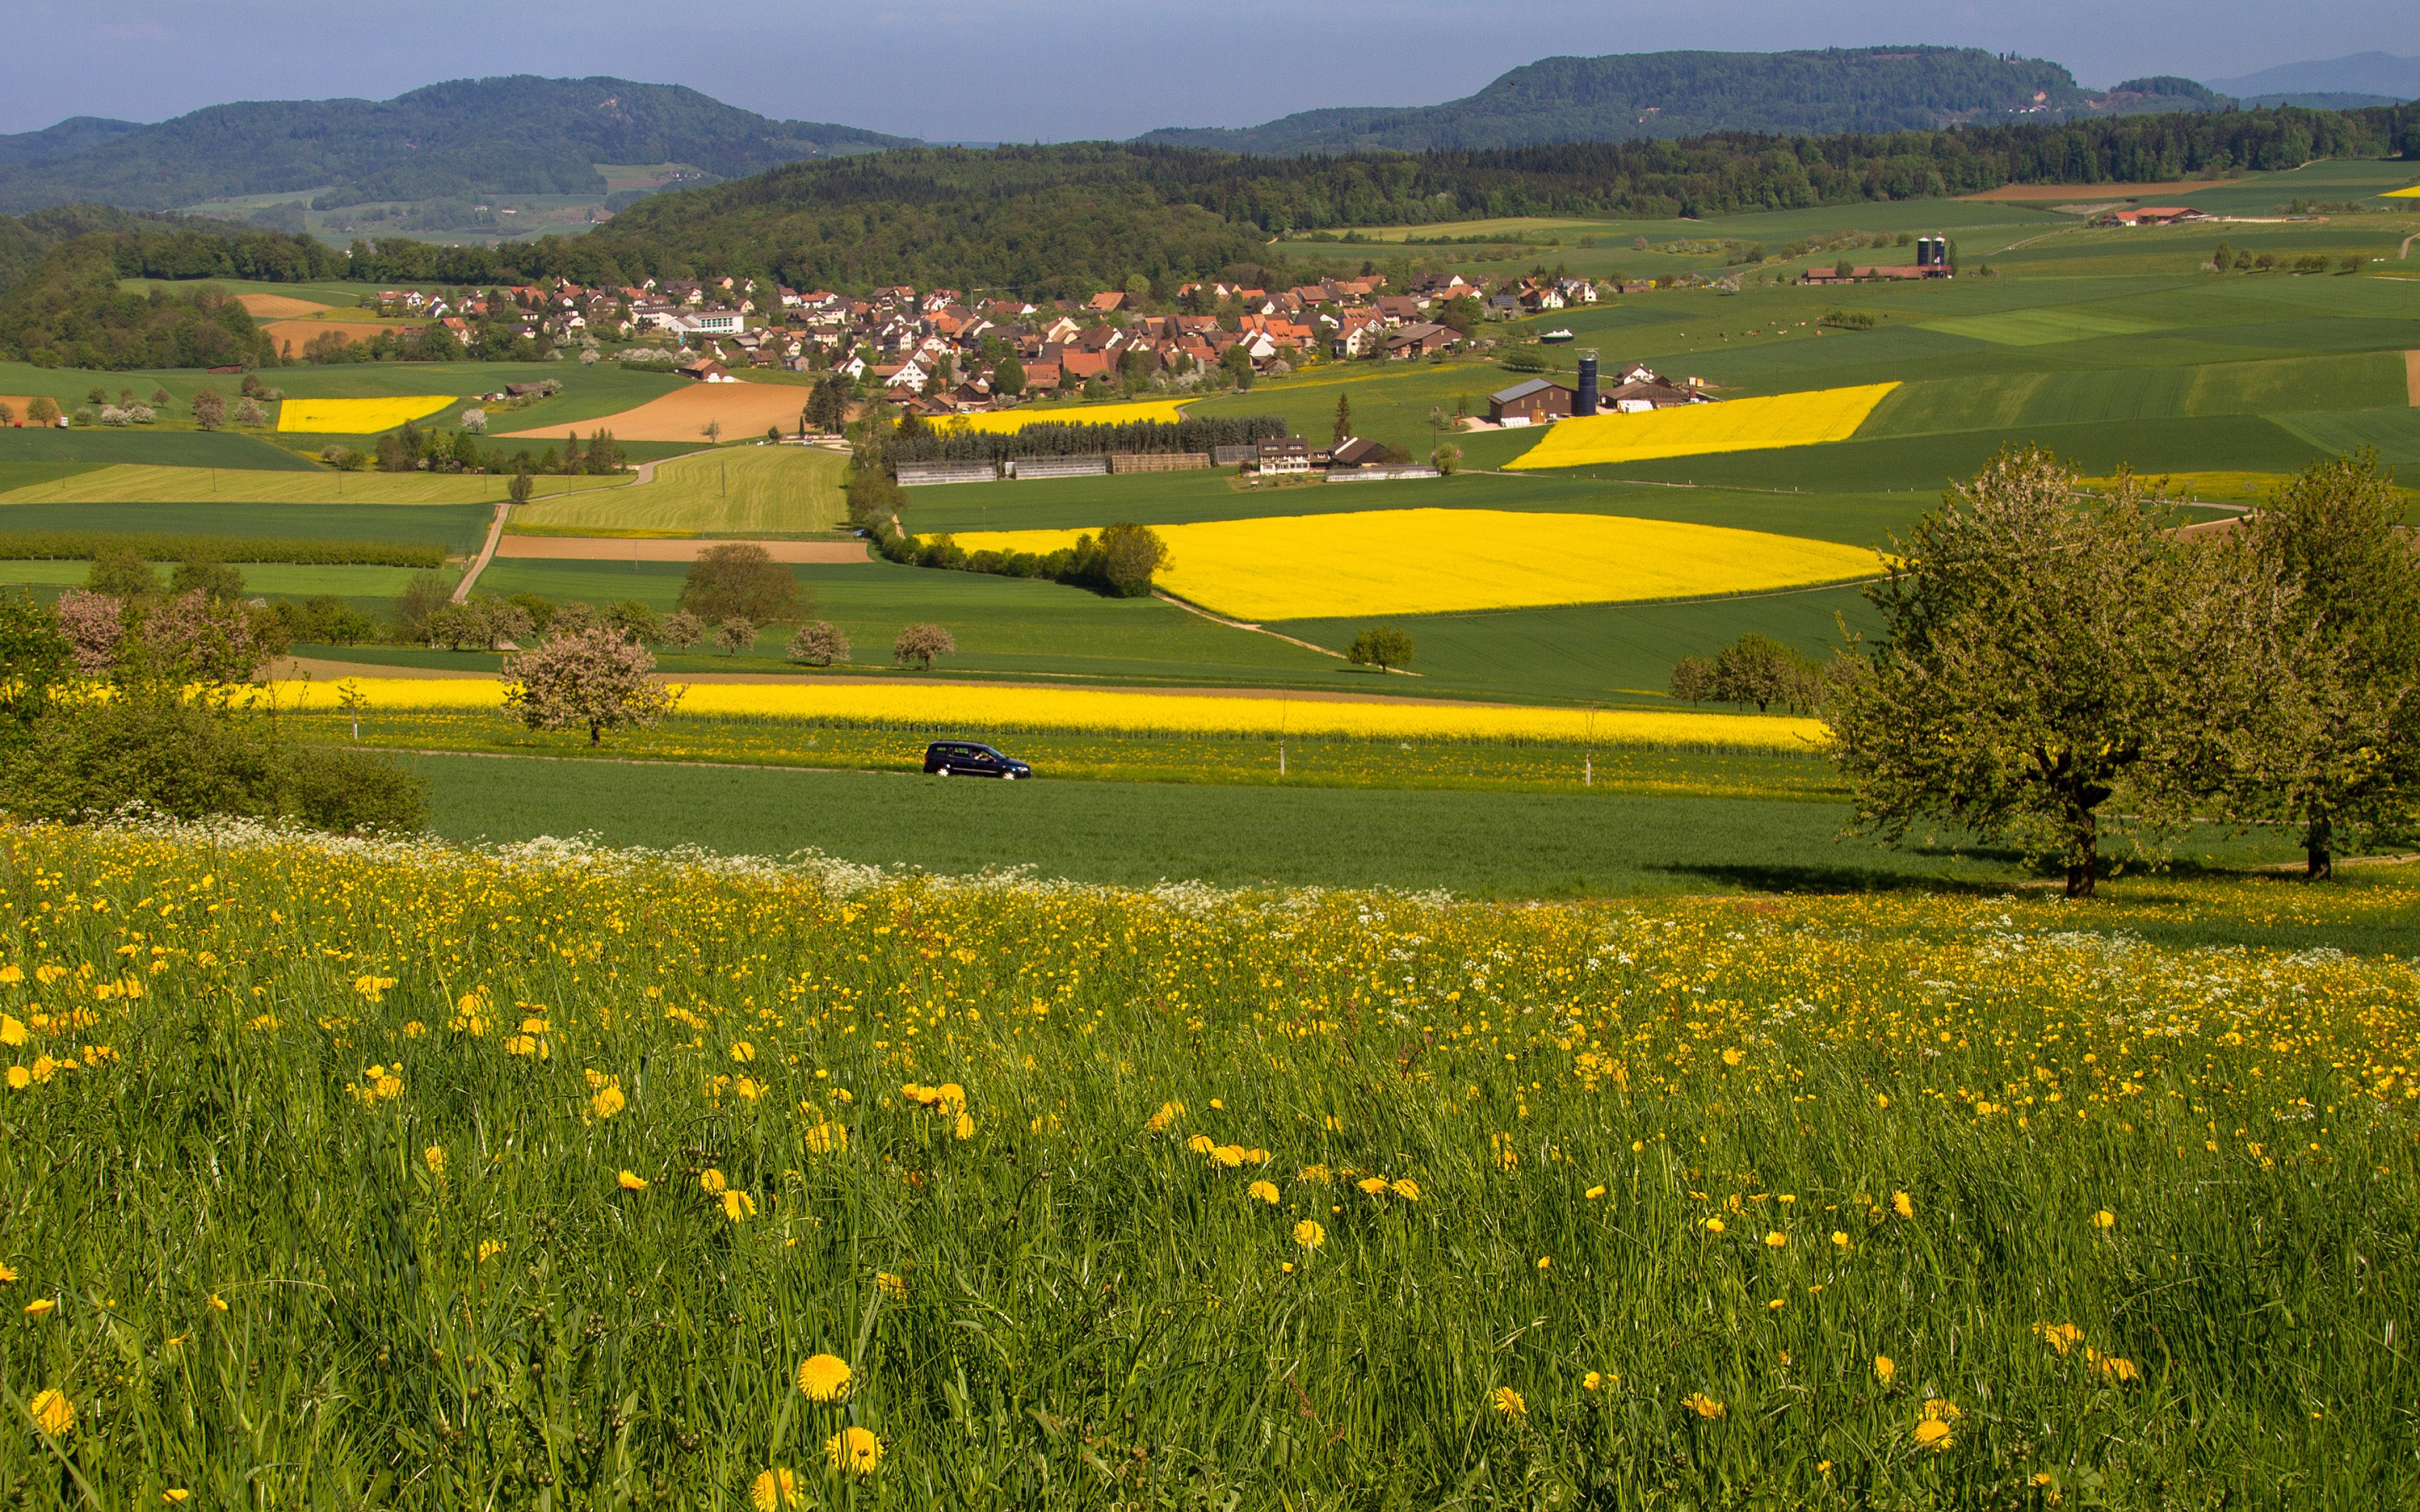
1584,403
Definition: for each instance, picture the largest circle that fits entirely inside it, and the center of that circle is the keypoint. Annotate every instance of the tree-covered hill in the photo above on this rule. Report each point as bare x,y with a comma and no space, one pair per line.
1668,95
518,135
74,134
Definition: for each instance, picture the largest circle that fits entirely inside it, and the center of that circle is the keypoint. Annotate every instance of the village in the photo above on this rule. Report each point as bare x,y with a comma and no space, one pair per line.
940,352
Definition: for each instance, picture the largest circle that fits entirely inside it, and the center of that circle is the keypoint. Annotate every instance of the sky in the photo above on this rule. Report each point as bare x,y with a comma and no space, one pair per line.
1063,69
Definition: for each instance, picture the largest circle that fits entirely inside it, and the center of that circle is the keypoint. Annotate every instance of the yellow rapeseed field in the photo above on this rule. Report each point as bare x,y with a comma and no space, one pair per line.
1442,561
1734,426
1167,412
1087,710
357,417
2411,193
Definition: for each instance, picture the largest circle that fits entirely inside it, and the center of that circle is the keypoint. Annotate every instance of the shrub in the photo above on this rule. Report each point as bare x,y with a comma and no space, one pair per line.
634,620
352,792
210,411
183,757
1693,679
121,573
422,597
207,576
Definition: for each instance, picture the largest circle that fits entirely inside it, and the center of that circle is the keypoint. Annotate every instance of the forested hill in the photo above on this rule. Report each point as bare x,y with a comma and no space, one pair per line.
1632,95
519,135
74,134
1072,219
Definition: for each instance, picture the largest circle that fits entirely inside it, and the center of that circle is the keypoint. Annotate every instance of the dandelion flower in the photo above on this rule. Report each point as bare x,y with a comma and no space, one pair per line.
1309,1235
2060,1336
608,1101
889,1285
1591,1381
738,1206
1372,1185
12,1031
51,1412
2117,1369
711,1181
1703,1405
775,1491
174,1495
1407,1189
218,1304
1933,1434
855,1450
964,1129
1942,1408
631,1181
1777,1240
1902,1204
434,1157
40,1305
1544,1260
1732,1055
1713,1225
7,1274
1264,1191
2104,1219
1839,1239
1507,1401
824,1377
490,1249
1593,1192
1884,1368
1200,1144
20,1078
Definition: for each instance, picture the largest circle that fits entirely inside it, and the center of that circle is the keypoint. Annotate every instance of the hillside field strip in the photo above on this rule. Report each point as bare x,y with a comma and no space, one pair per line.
1438,560
1163,412
1784,420
357,417
1087,709
730,490
739,410
128,483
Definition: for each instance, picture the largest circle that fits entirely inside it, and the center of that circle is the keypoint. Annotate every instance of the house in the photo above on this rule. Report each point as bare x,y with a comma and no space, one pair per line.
1293,455
1545,297
1537,401
713,322
1397,308
704,370
1107,301
1357,452
1041,375
1420,340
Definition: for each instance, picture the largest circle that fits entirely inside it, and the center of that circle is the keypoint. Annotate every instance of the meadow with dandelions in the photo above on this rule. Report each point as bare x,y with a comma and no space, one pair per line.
349,1174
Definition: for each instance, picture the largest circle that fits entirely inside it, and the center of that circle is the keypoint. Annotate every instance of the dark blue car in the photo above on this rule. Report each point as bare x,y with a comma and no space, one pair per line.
965,758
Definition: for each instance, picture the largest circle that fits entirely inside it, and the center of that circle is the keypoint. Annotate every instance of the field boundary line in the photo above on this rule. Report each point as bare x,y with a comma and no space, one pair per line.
487,553
2411,377
1164,596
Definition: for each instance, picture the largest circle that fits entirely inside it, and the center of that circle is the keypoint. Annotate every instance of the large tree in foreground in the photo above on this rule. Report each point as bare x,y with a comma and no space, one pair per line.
595,679
2044,651
2351,781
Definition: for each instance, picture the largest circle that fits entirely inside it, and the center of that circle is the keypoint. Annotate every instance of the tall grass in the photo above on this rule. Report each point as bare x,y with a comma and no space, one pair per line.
311,1147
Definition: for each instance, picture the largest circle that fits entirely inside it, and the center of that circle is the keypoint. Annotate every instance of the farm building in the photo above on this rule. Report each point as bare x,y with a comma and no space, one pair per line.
1534,402
1292,455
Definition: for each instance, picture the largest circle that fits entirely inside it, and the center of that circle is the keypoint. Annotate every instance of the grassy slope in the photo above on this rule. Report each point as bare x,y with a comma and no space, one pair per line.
145,483
362,586
738,489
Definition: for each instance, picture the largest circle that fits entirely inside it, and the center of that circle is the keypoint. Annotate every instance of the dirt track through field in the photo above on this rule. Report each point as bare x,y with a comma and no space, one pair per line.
278,306
740,409
2411,377
2090,193
612,548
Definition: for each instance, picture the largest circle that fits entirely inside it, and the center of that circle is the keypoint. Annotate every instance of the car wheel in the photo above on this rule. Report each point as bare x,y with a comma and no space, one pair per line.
1008,777
943,772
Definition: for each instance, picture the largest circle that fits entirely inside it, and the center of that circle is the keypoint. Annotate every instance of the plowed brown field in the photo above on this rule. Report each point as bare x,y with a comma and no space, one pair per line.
742,408
278,306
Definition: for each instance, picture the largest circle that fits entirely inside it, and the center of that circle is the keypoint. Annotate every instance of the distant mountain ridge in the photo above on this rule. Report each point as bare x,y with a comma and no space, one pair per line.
1670,95
2378,76
73,134
512,135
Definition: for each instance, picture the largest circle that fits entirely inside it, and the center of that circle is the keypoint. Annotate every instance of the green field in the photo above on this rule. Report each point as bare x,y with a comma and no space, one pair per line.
736,491
460,527
207,450
1478,844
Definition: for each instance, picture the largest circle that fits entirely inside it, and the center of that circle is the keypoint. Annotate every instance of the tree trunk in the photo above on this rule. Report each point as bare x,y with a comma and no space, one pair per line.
596,732
2083,852
2319,850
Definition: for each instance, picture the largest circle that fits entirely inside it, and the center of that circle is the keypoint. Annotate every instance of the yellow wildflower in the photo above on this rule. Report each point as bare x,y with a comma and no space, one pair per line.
1372,1185
2104,1219
1407,1189
1703,1405
608,1101
1593,1192
1902,1204
710,1180
1507,1401
1265,1191
631,1181
1775,1240
1591,1381
824,1377
1933,1434
1884,1368
40,1305
1309,1235
775,1491
738,1206
855,1450
52,1412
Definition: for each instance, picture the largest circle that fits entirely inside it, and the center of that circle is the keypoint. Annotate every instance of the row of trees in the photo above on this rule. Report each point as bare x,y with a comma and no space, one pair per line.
1118,563
1754,669
2050,658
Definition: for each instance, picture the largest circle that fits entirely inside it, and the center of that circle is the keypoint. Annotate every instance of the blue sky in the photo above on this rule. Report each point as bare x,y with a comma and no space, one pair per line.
1055,69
